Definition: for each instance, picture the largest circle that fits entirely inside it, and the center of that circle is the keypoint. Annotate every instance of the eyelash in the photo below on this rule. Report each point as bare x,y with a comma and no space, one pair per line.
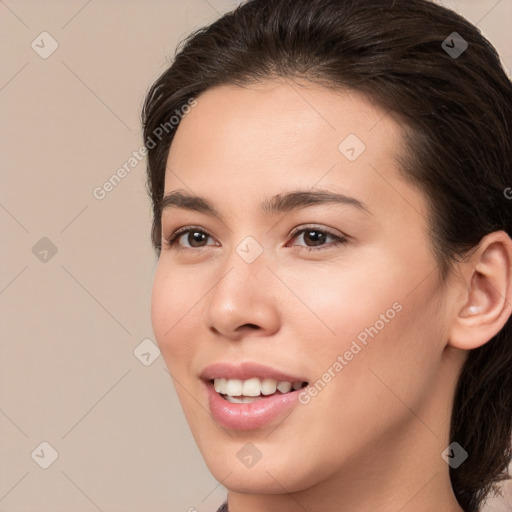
171,242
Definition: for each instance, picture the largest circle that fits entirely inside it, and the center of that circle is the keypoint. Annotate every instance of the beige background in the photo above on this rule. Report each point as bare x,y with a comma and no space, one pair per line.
70,321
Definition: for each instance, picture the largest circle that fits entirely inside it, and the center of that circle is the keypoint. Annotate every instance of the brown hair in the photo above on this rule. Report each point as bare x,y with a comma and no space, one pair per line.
457,112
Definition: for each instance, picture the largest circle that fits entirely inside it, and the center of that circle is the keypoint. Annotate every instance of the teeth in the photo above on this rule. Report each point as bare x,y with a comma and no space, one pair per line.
284,387
243,400
252,388
268,386
233,387
219,385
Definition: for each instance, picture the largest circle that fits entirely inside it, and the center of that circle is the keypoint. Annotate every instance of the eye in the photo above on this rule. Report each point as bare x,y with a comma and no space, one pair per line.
317,237
195,238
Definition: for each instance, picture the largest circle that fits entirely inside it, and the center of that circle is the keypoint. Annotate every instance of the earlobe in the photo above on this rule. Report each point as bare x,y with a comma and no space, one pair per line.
487,303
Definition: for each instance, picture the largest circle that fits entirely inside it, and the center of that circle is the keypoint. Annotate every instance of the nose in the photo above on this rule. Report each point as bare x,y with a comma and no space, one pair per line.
244,300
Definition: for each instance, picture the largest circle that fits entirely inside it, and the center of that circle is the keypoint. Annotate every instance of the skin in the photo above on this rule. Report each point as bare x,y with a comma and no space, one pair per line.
372,438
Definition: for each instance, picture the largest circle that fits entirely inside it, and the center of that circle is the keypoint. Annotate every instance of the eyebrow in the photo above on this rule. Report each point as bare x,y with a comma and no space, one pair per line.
280,203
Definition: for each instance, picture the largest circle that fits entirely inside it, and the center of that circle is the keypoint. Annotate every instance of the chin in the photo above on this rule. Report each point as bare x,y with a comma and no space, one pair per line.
277,469
260,481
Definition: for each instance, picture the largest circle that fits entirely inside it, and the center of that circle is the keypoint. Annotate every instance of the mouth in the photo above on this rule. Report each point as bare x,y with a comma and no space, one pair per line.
248,395
237,391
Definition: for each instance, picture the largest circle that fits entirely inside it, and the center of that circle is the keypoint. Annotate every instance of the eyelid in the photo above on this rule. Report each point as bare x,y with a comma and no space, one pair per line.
317,227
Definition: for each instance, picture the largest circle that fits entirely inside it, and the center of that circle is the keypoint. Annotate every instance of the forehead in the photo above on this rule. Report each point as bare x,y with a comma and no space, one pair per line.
277,112
239,142
288,120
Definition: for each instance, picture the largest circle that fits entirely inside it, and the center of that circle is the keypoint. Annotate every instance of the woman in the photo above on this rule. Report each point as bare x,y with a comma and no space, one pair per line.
333,293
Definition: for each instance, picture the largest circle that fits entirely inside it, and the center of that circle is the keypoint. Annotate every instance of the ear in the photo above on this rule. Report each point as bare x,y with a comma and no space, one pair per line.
485,305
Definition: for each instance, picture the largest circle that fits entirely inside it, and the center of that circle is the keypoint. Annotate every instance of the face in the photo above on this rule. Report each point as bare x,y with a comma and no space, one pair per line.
337,292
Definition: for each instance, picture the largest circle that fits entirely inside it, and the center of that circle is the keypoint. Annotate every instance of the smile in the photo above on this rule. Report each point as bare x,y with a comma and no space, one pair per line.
248,395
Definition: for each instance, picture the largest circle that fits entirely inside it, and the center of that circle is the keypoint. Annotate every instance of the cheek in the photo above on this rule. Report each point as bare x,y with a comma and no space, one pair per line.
374,318
337,304
390,345
171,304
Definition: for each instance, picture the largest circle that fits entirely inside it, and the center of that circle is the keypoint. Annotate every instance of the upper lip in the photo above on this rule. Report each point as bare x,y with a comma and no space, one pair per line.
246,370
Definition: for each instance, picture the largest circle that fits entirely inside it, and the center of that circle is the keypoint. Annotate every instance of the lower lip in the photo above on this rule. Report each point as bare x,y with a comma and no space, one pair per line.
253,415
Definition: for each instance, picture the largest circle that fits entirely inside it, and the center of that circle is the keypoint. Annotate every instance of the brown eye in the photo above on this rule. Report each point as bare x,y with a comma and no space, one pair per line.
315,239
195,238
